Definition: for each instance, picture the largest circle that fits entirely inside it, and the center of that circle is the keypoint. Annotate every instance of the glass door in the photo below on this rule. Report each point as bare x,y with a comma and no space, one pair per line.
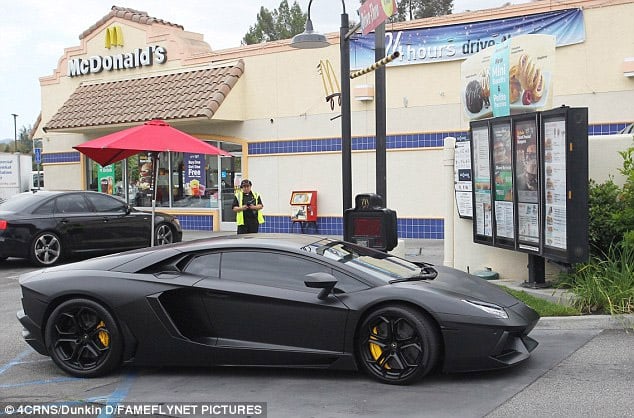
230,176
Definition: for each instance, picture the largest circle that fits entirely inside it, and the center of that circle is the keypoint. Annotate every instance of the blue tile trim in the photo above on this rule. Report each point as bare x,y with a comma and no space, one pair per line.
606,128
414,140
331,225
196,222
326,225
61,157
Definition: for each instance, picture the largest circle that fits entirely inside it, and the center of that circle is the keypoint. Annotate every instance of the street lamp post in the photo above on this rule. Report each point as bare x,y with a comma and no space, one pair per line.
311,39
15,132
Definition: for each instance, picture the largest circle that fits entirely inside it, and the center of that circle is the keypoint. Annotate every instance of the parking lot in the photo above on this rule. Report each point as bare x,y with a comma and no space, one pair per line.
572,361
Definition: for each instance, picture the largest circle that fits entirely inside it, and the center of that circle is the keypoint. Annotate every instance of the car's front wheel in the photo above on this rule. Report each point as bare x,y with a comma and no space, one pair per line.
83,338
46,249
397,345
163,235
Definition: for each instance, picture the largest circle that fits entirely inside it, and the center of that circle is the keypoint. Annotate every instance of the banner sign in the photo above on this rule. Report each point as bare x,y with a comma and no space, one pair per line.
457,42
105,178
195,183
512,77
374,12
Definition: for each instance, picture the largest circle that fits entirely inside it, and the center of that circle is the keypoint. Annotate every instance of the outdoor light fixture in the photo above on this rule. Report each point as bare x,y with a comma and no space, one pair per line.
312,39
309,39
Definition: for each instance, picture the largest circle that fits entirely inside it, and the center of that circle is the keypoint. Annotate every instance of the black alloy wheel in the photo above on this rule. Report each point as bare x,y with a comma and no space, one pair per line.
83,339
46,249
397,345
163,235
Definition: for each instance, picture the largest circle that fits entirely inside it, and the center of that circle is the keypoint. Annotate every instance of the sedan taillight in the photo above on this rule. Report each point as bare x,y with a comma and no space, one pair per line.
3,224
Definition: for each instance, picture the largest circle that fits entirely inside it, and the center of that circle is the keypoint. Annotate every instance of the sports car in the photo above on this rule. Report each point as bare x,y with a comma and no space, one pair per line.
272,300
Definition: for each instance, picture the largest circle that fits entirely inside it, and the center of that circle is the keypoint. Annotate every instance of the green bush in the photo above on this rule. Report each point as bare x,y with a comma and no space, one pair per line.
611,210
604,206
605,284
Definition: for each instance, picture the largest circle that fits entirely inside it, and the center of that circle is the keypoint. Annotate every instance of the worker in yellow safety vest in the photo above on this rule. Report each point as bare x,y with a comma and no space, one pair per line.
248,208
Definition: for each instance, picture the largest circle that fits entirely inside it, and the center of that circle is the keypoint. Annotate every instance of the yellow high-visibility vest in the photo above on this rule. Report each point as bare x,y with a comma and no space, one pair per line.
240,215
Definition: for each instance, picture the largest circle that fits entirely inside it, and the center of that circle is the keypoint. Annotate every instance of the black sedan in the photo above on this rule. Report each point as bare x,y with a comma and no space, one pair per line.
272,300
47,226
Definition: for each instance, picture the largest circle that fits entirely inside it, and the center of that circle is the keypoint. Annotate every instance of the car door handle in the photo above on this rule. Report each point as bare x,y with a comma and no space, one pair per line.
106,220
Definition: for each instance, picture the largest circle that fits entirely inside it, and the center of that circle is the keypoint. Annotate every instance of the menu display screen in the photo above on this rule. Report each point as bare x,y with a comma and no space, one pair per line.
503,176
483,214
555,232
527,181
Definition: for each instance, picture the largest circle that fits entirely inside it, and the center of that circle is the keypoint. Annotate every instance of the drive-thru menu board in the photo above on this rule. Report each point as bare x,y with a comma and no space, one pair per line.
530,183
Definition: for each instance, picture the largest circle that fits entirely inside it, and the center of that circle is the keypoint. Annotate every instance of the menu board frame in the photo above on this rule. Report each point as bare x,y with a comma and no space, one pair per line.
538,204
565,159
481,177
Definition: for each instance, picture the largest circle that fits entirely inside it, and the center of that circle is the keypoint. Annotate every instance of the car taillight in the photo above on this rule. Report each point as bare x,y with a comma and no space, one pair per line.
3,224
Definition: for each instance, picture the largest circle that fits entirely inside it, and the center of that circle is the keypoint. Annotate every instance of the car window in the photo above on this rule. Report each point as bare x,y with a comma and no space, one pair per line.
347,283
71,203
269,269
207,265
105,203
46,208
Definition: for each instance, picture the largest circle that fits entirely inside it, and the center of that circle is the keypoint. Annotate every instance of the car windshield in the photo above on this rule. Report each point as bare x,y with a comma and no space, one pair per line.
379,265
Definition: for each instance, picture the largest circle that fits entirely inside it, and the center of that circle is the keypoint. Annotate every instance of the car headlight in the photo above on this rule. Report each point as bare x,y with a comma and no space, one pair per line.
489,308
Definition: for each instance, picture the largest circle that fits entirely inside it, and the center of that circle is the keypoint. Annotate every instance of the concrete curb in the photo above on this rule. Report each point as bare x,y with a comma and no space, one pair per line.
614,322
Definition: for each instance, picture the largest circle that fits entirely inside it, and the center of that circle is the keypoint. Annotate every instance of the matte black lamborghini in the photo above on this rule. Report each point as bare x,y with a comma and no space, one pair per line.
274,300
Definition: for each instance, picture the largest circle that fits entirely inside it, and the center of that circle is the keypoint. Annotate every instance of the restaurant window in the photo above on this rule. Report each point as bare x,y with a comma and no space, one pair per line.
183,180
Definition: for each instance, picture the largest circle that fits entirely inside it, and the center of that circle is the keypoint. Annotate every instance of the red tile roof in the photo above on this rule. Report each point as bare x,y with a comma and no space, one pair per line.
183,95
129,14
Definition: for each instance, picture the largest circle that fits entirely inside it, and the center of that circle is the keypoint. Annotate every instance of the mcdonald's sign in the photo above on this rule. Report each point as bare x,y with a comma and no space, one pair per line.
114,36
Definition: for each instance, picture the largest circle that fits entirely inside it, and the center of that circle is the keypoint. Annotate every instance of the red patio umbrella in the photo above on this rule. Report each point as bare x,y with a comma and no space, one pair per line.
153,136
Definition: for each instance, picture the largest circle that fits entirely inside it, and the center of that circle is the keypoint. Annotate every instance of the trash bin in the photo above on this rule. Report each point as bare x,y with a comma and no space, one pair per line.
487,274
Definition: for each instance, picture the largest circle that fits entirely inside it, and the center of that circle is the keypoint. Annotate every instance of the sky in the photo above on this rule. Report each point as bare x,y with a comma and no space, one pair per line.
34,34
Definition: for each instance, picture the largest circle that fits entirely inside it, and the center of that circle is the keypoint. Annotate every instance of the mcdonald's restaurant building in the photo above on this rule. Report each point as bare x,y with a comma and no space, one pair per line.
265,104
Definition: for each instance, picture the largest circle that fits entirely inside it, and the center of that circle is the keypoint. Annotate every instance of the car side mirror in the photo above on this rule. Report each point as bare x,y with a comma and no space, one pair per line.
128,208
324,281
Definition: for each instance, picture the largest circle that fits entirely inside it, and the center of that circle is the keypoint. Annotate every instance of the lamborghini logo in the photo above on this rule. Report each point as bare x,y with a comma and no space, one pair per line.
114,36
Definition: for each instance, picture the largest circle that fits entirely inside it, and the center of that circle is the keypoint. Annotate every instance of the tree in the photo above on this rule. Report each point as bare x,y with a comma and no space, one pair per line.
418,9
25,144
281,23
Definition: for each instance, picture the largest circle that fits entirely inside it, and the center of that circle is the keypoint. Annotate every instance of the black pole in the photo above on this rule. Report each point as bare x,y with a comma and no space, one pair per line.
379,80
536,272
15,132
346,135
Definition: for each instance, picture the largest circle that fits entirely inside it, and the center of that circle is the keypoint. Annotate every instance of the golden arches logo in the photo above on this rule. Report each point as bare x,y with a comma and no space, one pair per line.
365,202
114,37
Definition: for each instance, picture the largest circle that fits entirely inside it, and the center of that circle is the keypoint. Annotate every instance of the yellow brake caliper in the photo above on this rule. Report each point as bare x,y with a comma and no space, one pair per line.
376,350
103,335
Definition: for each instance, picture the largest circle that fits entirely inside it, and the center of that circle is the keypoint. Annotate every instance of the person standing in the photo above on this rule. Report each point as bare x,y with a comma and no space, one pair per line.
248,208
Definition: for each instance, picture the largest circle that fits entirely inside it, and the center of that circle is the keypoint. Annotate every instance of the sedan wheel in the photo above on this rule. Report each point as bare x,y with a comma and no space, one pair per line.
163,235
397,345
83,338
46,249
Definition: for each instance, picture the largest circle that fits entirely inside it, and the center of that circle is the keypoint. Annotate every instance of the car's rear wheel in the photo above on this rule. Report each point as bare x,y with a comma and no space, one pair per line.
83,338
163,235
46,249
397,345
